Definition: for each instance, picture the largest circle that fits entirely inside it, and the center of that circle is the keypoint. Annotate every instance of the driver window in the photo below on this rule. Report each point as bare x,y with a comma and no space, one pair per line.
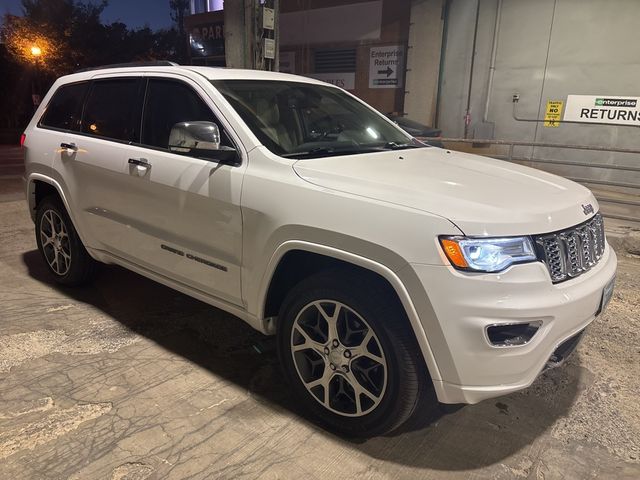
169,102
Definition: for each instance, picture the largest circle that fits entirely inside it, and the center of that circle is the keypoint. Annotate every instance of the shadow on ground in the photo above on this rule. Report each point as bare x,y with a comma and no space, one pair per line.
472,437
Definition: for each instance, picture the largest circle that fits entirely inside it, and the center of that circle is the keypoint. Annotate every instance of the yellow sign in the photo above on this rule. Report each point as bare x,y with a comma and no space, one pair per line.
553,114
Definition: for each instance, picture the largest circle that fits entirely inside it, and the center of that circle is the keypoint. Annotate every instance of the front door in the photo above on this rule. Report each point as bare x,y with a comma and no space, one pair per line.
181,215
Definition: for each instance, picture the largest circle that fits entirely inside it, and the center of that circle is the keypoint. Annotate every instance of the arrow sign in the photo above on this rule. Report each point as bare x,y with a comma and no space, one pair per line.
386,66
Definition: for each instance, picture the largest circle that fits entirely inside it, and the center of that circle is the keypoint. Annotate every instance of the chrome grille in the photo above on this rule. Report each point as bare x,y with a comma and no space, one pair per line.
571,252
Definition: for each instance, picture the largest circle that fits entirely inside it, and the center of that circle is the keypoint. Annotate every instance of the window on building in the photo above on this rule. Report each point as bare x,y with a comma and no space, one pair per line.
335,60
202,6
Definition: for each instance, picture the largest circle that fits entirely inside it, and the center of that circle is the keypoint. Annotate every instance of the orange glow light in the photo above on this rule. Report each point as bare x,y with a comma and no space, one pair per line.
453,253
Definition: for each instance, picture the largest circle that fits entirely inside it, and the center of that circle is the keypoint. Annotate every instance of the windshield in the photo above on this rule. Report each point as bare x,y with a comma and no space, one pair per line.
302,120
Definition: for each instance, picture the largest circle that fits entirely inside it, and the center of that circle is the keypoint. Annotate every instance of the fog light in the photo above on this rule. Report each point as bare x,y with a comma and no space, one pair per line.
511,335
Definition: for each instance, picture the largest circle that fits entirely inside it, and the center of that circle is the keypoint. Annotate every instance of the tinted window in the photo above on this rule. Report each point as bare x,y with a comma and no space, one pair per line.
112,109
65,108
169,102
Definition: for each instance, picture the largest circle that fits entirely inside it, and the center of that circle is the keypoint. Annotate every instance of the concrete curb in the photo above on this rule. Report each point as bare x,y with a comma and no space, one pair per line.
624,240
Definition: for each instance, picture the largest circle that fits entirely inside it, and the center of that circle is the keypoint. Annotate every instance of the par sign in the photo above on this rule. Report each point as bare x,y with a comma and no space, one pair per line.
386,66
603,109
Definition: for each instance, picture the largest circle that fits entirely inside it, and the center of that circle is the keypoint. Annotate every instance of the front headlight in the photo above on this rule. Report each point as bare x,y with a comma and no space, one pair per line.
487,254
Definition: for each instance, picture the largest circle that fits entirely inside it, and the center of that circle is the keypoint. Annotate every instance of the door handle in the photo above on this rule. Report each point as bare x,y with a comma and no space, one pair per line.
69,146
140,162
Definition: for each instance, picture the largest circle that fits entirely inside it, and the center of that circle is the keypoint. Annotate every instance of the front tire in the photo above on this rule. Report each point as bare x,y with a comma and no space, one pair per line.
60,246
349,353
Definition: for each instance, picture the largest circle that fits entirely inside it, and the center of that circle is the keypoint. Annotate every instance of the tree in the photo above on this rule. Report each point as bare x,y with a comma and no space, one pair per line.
67,36
23,38
15,107
65,31
71,36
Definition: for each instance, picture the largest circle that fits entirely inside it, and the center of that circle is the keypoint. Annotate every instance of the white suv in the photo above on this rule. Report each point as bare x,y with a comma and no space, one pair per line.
387,269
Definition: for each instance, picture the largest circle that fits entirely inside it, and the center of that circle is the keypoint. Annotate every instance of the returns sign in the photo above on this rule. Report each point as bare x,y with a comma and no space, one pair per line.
603,109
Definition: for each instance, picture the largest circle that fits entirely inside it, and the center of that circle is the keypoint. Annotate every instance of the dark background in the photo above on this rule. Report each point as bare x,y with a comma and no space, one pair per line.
73,35
133,13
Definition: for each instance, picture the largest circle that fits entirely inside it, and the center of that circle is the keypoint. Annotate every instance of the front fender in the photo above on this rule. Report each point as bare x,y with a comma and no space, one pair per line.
384,271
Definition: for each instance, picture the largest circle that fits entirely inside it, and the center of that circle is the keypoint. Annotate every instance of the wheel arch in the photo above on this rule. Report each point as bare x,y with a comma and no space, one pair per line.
51,185
271,294
40,186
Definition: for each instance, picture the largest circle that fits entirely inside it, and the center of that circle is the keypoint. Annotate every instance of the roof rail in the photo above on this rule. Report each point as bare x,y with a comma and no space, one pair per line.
153,63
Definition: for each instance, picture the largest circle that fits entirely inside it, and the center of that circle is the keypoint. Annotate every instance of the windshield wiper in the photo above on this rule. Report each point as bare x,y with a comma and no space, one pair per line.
399,146
331,151
313,151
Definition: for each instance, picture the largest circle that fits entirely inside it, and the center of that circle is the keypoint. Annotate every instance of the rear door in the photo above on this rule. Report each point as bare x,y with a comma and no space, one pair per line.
57,127
93,158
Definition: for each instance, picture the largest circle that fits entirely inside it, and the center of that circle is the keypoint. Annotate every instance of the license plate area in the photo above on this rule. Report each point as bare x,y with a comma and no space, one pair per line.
607,293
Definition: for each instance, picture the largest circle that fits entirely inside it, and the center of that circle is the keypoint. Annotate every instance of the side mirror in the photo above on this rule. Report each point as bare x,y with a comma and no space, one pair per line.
200,139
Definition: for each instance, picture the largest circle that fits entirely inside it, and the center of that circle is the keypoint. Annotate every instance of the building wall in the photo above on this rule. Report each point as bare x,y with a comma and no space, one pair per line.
307,27
546,50
300,22
423,60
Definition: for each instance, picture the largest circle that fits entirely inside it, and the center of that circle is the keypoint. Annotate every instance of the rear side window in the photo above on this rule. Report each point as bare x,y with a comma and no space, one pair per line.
112,109
170,102
65,108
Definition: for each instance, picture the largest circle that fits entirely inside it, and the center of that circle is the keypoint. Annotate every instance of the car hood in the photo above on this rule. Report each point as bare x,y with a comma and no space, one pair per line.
481,195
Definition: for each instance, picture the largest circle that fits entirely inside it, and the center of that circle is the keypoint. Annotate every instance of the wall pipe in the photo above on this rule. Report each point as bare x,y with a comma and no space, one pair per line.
494,54
467,116
444,16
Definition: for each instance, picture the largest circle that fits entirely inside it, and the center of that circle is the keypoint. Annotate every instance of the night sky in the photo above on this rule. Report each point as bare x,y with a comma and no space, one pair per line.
134,13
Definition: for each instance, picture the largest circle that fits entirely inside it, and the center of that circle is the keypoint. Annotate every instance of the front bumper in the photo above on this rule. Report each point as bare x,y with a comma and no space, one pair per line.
470,369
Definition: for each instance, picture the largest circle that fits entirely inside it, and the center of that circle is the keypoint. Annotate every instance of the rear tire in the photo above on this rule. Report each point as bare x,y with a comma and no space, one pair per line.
364,375
60,246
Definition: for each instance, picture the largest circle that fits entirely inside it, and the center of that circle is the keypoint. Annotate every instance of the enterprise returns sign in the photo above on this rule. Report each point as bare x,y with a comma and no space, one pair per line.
603,109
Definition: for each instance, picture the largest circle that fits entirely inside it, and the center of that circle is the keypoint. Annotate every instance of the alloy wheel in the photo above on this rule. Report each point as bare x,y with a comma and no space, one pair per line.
339,358
54,238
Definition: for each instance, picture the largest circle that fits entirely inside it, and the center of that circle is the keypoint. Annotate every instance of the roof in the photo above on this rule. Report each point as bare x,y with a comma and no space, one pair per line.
219,73
211,73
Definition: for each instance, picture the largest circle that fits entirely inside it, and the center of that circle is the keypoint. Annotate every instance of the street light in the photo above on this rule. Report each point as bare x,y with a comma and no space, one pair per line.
36,52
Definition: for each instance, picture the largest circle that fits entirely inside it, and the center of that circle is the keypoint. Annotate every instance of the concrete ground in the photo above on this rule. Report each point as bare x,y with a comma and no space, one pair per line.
127,379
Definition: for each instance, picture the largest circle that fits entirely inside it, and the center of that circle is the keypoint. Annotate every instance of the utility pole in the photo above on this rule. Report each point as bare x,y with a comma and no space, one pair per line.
276,33
267,31
250,34
178,10
234,34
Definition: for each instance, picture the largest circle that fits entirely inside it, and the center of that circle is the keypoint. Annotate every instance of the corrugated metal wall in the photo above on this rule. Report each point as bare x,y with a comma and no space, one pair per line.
545,50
